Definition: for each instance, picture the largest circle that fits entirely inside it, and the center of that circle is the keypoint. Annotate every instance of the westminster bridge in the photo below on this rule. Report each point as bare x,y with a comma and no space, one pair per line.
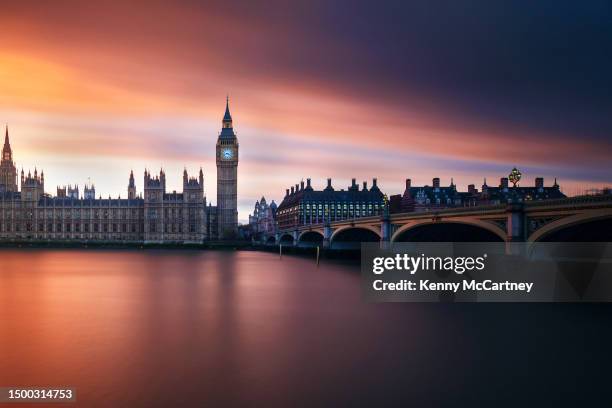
583,219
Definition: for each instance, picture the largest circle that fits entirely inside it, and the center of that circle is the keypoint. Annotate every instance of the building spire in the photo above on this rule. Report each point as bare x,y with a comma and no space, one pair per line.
6,138
227,117
7,153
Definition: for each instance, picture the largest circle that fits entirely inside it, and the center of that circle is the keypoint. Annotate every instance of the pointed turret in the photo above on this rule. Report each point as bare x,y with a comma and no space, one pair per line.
8,171
162,179
7,152
227,118
131,186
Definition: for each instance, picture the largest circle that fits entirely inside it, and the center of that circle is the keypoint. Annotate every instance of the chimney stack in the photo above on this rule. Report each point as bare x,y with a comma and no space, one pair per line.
286,192
292,191
539,182
436,182
408,183
365,185
472,189
308,183
374,181
329,183
503,182
302,185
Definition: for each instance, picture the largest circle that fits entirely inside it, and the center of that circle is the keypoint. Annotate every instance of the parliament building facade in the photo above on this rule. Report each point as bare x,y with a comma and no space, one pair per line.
153,216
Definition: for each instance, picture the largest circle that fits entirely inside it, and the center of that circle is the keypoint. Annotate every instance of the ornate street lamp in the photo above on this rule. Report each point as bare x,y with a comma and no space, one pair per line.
386,205
514,176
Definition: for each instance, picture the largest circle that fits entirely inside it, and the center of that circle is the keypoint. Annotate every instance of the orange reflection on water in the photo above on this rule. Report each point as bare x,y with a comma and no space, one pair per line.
144,328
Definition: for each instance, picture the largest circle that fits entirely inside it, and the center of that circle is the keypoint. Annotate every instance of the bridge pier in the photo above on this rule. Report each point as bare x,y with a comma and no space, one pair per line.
515,227
327,233
385,233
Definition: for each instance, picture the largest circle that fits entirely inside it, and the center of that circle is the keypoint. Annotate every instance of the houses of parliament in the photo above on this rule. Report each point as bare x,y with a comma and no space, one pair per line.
28,213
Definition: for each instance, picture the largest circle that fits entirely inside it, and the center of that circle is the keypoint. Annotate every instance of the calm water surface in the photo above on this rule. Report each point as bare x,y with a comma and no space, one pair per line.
180,328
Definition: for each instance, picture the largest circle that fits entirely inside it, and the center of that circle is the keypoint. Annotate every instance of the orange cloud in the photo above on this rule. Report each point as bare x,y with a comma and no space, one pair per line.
133,86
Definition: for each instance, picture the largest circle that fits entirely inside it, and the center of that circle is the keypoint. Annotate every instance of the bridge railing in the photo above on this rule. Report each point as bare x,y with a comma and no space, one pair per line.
599,199
478,208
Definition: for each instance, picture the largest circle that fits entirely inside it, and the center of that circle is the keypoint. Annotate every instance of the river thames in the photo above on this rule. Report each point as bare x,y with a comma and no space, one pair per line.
244,328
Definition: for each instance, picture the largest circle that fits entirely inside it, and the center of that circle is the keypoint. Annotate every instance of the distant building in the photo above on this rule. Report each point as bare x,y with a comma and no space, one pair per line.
434,197
263,219
598,191
503,193
302,205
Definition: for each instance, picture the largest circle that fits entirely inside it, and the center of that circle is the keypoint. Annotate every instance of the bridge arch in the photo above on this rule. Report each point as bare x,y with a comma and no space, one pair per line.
286,239
310,238
344,230
450,231
351,237
577,228
271,240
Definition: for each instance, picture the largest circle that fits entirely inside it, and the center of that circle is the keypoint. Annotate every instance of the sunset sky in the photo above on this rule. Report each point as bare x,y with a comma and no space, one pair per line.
341,89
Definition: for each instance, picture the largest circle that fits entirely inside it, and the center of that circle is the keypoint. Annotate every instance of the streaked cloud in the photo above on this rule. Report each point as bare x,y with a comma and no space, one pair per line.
318,90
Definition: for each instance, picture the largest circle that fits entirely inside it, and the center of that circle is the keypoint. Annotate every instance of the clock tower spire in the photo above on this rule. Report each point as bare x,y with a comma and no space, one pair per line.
227,178
227,118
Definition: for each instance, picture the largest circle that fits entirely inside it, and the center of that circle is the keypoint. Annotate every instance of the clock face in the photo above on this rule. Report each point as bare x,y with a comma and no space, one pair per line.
227,154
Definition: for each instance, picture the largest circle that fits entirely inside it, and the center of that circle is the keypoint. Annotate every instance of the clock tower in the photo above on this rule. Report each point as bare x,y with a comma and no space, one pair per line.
227,178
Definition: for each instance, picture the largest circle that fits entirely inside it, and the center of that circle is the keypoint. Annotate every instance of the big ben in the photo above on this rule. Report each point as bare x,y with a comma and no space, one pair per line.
227,178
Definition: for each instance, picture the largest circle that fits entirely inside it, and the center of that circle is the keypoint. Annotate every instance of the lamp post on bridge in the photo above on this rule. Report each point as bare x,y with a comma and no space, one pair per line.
514,177
515,222
385,225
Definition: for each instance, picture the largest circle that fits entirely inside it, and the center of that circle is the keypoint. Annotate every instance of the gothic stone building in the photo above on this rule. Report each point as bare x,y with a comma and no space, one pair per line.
156,216
263,220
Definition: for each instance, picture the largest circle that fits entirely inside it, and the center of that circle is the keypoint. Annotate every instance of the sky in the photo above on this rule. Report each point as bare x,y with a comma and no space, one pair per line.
318,89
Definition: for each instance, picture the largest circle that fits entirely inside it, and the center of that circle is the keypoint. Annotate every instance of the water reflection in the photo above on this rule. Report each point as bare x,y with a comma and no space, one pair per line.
166,328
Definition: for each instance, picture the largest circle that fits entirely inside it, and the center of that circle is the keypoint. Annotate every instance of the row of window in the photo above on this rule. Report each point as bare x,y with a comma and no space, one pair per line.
70,214
172,213
333,206
172,228
192,213
156,196
77,227
421,201
123,228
